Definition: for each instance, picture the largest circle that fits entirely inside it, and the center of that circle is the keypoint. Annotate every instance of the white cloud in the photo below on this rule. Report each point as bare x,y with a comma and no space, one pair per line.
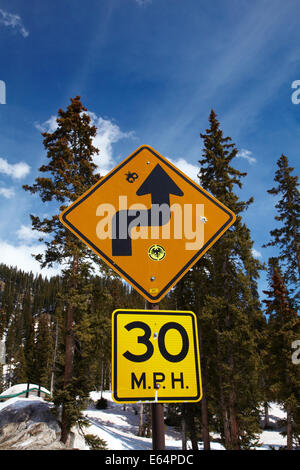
256,253
14,21
16,170
26,233
108,133
48,126
187,168
7,192
20,257
247,155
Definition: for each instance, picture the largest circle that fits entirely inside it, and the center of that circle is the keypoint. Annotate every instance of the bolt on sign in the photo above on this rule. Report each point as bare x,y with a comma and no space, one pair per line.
155,356
148,221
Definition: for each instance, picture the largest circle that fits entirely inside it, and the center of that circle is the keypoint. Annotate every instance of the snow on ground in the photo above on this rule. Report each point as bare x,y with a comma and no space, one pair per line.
22,388
119,428
19,402
272,438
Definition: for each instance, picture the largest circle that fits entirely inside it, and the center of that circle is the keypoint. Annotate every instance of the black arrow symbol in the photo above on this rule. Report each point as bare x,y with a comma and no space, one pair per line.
160,186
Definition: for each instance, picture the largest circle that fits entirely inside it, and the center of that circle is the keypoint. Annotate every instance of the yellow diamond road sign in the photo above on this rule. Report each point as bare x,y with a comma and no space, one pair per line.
155,356
148,221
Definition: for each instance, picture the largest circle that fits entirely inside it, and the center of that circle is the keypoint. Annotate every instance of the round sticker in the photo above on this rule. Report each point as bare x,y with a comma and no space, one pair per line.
156,252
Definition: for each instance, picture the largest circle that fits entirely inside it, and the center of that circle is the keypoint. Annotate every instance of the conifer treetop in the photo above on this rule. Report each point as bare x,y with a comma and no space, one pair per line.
216,173
70,156
69,172
286,237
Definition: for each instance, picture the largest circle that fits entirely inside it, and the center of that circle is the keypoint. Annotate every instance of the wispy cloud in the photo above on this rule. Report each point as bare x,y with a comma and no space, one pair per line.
143,2
246,154
14,21
7,192
15,170
235,62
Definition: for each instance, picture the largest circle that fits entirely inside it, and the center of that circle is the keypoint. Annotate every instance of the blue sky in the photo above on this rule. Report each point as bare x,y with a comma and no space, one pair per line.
150,71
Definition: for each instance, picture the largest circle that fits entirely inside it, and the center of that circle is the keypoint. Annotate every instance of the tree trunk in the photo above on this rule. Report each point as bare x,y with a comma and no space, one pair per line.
183,428
102,377
233,422
193,433
141,420
267,417
54,360
69,352
205,426
204,409
226,425
65,427
234,428
148,424
183,433
224,411
289,429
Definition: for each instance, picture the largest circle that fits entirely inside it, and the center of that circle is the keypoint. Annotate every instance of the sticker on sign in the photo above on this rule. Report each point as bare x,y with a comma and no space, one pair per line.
155,356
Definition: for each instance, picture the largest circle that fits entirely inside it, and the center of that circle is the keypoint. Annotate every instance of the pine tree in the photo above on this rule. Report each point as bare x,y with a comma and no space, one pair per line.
29,352
19,374
229,311
284,328
100,311
43,351
286,238
70,171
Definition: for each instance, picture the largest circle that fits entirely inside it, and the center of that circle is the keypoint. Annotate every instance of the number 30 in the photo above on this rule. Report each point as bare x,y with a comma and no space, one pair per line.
145,339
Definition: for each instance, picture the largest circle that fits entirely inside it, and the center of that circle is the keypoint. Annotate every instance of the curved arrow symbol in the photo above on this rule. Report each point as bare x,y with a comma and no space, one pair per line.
160,186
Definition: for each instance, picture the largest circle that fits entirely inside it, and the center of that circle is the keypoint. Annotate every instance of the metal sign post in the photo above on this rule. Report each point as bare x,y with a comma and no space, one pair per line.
158,426
157,412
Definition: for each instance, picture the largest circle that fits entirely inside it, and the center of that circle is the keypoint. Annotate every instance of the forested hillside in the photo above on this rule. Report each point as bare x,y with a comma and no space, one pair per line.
32,324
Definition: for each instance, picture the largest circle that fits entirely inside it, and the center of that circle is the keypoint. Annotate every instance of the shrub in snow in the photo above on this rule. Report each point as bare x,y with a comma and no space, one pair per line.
95,442
101,404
